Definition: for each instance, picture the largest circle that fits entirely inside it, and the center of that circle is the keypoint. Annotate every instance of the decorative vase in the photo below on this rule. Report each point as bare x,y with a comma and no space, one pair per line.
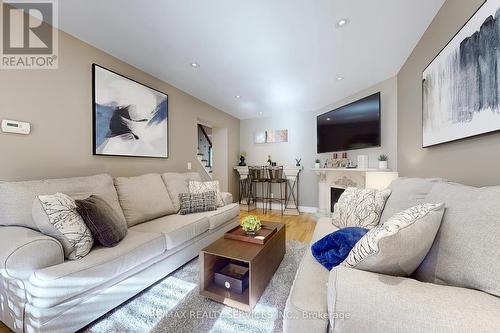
250,233
242,161
382,165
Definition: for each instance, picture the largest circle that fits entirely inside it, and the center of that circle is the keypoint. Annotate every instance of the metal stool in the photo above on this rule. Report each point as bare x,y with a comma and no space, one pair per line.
276,176
257,176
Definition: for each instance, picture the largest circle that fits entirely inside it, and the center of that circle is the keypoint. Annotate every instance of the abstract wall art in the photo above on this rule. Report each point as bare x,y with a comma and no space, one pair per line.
461,86
271,136
129,118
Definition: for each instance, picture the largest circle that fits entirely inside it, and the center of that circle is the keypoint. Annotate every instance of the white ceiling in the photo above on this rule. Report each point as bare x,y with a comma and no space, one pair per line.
279,55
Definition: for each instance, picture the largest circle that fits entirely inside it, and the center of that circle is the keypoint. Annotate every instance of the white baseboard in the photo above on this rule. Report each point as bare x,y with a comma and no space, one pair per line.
302,209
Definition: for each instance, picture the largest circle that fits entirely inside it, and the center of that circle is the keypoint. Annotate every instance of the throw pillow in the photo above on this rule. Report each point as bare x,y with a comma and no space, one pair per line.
106,226
331,250
359,208
197,203
197,187
56,216
398,246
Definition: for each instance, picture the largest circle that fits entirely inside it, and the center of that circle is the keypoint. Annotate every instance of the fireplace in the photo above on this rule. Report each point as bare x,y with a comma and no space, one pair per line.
335,193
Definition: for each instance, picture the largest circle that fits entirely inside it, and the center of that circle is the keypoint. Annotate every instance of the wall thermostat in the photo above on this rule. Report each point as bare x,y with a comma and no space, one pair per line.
18,127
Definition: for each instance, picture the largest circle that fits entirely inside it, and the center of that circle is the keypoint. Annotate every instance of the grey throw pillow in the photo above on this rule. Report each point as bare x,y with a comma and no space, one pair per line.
359,208
106,226
56,216
399,245
197,203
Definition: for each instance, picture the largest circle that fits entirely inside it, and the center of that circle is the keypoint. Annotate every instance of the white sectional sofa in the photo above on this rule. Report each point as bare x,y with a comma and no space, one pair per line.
42,292
456,288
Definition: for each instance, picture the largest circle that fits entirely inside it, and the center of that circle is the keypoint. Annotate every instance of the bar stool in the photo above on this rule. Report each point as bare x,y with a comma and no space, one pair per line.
276,176
257,175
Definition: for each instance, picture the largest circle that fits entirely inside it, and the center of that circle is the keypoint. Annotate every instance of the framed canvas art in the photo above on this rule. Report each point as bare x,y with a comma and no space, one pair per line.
461,86
129,118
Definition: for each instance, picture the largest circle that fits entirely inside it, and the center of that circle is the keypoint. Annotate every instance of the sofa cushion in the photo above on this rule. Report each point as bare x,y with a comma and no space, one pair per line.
143,198
222,215
466,250
177,229
309,289
198,187
407,193
56,216
53,285
177,183
16,198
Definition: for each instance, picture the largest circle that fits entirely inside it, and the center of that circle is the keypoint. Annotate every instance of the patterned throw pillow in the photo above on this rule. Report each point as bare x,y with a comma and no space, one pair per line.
359,208
56,216
197,203
398,246
197,187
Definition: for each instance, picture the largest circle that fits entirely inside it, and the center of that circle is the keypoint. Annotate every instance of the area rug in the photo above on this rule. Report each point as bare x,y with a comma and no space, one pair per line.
174,305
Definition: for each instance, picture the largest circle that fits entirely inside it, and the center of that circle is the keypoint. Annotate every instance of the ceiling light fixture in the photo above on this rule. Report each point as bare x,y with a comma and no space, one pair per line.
342,22
237,96
328,119
340,78
195,65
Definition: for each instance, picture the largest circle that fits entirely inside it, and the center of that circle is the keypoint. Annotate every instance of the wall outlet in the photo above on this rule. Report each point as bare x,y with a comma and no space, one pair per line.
189,165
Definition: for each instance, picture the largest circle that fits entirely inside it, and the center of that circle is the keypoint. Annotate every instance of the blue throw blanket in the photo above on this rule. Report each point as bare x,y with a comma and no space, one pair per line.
331,250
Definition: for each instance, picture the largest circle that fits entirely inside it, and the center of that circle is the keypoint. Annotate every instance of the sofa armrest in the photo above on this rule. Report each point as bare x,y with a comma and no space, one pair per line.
382,303
227,197
24,250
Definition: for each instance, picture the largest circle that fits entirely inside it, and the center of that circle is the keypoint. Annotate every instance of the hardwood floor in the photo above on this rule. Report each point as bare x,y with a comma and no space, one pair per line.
299,228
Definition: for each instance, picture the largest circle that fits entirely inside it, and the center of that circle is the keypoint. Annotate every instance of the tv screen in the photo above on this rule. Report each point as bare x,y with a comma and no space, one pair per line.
352,126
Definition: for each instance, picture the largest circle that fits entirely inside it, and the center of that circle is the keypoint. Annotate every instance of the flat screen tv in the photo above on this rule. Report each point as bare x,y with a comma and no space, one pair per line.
352,126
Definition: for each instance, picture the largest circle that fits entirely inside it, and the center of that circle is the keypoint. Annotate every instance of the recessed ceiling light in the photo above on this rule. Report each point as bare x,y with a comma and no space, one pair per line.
195,65
340,78
342,22
328,119
237,96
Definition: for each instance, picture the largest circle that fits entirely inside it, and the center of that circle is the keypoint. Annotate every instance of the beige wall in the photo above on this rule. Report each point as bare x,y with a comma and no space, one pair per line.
472,161
58,104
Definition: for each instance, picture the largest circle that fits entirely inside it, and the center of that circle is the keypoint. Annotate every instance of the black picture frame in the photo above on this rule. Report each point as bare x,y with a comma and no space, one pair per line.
94,117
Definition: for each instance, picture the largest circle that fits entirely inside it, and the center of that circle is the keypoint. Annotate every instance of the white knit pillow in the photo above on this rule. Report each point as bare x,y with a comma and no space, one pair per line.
56,216
197,187
399,245
359,208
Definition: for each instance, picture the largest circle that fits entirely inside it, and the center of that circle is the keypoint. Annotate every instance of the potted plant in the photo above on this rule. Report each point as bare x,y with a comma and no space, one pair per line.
242,159
382,161
317,164
251,224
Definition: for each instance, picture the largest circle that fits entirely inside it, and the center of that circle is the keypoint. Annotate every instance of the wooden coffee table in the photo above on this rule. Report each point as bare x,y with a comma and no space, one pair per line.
261,260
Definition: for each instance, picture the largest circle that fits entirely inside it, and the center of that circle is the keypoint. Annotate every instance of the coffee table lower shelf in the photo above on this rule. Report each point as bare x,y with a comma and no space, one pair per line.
232,299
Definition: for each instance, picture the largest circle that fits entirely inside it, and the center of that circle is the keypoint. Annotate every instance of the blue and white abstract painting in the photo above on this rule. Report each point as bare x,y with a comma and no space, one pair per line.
461,87
130,119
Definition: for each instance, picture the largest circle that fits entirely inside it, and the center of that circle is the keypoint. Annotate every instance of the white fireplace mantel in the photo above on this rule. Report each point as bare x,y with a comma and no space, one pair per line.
344,178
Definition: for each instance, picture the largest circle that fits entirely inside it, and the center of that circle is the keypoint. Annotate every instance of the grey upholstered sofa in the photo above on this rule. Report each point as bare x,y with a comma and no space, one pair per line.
456,288
41,292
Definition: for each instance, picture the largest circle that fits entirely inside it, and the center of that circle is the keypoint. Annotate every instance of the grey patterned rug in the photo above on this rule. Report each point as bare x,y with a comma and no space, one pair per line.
174,305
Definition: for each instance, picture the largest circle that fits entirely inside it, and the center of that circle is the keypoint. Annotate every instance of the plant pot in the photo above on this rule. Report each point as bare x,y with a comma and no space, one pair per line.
317,165
382,165
251,233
